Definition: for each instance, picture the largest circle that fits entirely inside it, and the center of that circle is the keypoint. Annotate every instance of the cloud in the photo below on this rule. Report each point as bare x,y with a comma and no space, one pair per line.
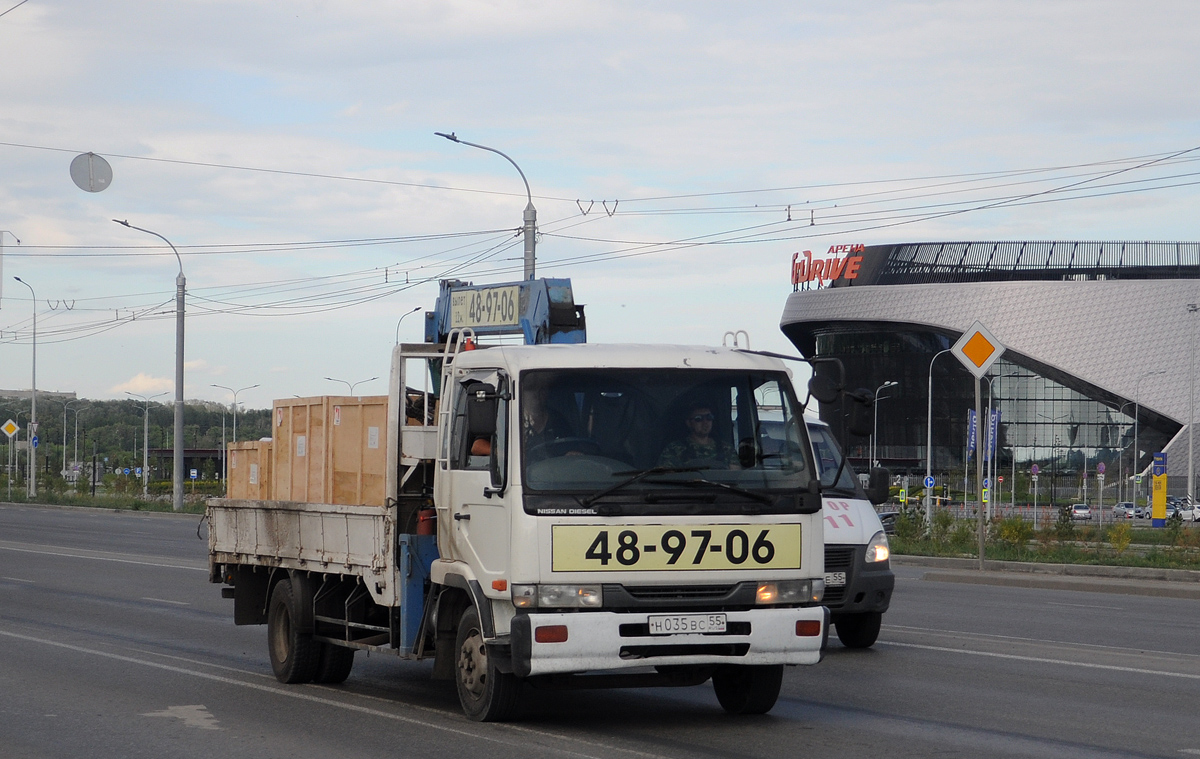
143,384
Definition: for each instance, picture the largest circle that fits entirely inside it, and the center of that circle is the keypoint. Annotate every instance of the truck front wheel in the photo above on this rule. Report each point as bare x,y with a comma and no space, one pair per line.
747,689
859,630
486,694
294,655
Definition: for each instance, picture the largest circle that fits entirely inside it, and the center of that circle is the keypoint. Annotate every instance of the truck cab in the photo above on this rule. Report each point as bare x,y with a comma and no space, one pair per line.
608,509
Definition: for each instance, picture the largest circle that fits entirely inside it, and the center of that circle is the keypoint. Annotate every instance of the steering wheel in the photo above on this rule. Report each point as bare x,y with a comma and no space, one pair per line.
565,445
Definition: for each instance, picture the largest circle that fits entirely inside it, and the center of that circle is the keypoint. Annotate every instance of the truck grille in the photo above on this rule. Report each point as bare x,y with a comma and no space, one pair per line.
680,592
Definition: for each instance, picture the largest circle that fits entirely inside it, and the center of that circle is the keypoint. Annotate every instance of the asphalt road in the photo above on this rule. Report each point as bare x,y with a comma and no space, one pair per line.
113,644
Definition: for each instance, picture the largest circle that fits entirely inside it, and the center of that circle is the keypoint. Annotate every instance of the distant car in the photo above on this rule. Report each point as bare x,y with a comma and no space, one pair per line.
888,518
1141,512
1124,509
1080,511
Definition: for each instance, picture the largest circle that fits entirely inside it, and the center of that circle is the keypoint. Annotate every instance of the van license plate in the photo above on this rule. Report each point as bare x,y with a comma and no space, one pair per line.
683,624
835,579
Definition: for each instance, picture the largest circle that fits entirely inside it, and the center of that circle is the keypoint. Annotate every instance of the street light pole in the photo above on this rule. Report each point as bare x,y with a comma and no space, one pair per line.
33,400
145,440
180,290
235,395
407,313
875,425
1191,481
1137,452
349,384
929,442
530,212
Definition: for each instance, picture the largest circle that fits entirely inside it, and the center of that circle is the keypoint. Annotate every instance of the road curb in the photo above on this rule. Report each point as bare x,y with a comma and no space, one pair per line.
1144,581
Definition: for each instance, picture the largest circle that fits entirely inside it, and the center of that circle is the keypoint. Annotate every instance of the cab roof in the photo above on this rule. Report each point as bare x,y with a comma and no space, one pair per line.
519,358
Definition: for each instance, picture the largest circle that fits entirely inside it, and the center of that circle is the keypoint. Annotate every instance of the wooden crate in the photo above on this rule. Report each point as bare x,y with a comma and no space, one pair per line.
330,449
250,470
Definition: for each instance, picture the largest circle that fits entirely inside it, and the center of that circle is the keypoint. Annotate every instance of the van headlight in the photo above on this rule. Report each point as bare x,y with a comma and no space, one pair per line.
877,549
557,596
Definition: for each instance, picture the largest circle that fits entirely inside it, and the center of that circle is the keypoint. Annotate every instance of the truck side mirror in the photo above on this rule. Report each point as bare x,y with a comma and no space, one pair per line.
747,453
810,497
859,414
481,410
880,488
823,388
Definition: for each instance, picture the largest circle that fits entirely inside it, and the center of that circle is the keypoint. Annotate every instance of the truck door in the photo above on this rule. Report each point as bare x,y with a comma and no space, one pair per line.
473,512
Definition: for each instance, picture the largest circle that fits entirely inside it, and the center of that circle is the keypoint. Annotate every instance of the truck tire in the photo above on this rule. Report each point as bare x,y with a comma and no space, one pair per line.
745,689
859,630
486,694
294,655
335,664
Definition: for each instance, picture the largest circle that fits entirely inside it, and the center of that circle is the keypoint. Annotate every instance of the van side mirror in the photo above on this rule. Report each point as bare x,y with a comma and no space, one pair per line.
880,488
823,388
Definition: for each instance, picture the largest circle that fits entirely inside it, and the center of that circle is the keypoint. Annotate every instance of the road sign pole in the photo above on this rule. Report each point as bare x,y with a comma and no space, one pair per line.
979,475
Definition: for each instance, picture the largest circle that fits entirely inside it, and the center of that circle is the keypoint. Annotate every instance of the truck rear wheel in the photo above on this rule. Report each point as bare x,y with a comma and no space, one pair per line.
335,664
859,630
486,694
294,655
745,689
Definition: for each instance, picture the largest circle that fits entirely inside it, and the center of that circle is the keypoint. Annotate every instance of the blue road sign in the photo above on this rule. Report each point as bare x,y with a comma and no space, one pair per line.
929,482
125,470
987,481
34,441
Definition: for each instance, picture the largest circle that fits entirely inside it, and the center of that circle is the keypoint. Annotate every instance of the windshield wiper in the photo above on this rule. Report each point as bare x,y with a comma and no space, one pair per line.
638,475
701,482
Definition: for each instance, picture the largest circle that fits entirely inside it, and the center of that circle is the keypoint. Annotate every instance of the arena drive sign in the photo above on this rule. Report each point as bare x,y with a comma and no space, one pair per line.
827,269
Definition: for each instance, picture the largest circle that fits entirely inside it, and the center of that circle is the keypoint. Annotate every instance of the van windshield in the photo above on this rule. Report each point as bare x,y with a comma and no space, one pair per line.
660,441
829,458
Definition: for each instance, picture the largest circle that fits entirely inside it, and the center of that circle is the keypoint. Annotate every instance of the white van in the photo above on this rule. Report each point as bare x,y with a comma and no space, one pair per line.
858,574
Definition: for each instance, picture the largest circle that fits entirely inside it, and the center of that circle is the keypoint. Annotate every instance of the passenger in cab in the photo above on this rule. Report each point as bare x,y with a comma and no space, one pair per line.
699,448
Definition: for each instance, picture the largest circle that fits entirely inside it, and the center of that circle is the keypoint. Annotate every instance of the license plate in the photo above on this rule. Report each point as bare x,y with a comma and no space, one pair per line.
655,547
835,579
683,624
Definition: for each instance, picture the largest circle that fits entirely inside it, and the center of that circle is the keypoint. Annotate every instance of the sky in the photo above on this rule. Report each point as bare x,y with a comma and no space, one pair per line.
678,153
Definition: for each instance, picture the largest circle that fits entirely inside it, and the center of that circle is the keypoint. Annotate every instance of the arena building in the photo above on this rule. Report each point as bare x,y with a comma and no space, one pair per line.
1100,344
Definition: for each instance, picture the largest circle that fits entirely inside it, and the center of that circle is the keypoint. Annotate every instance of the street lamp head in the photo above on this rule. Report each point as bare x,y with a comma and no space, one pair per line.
452,137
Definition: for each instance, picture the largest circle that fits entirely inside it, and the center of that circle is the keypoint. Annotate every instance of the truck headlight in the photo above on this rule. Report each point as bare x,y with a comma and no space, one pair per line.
557,596
877,549
790,592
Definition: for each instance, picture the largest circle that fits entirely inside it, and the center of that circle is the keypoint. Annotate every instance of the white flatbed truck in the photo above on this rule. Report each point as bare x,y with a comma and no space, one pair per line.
566,560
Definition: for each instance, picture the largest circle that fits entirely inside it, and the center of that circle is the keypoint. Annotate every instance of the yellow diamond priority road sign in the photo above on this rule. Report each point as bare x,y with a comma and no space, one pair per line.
977,349
10,428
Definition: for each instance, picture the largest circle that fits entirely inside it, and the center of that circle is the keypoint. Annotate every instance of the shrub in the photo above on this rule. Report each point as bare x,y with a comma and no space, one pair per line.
943,523
1014,531
1064,525
910,524
1175,529
1120,536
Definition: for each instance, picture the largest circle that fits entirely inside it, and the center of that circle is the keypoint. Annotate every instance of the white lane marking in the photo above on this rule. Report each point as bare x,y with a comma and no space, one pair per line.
165,601
196,715
1084,606
300,693
1194,751
1043,660
80,555
17,579
1023,639
415,707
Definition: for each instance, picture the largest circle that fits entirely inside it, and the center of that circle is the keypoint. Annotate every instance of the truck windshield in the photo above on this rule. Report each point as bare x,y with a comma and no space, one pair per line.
829,457
660,441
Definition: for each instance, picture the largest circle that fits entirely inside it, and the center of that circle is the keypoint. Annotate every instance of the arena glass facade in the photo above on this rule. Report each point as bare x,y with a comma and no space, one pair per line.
1094,333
